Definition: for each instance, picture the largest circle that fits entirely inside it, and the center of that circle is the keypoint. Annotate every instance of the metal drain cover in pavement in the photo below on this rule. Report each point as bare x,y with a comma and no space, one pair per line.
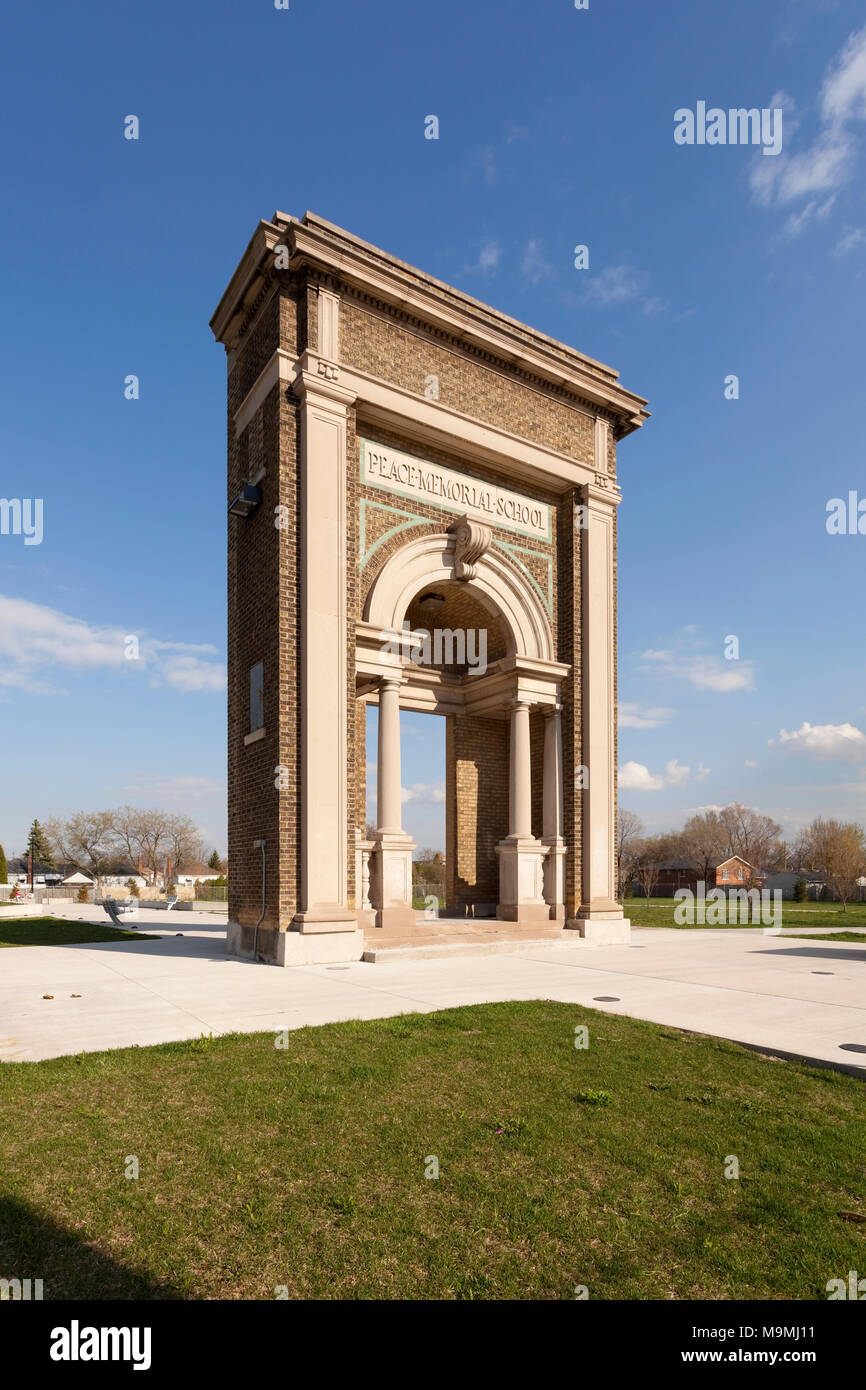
615,999
853,1047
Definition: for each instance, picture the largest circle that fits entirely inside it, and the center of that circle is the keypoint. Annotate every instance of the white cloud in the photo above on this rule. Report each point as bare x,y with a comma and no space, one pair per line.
635,777
488,257
621,284
424,793
701,671
35,639
676,774
534,266
829,161
850,238
638,778
633,716
838,742
843,97
798,221
169,789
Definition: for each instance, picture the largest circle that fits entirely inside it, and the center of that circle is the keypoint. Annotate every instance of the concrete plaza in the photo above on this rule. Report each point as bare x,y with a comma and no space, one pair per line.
790,997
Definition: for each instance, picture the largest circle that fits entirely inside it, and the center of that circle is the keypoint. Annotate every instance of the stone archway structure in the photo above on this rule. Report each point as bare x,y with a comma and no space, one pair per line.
404,460
390,666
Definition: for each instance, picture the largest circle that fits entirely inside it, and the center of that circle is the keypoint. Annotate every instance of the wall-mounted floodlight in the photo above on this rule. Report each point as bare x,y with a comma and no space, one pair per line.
246,501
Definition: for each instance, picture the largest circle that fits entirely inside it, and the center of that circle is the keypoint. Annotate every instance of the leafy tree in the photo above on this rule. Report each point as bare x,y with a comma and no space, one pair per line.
800,891
4,870
39,846
214,861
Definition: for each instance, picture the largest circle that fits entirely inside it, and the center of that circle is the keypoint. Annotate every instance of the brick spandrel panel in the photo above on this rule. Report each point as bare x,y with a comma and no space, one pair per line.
407,356
439,518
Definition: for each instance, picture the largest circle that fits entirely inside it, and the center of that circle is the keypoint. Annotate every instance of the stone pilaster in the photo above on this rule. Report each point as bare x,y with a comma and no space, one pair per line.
600,916
324,850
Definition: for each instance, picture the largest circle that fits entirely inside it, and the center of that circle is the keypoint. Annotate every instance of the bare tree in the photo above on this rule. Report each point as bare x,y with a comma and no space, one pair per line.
704,842
840,849
86,839
648,876
128,832
752,836
153,830
650,854
182,842
629,829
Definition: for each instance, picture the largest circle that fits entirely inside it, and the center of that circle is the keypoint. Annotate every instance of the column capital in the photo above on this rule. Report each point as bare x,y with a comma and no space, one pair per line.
317,383
603,494
393,681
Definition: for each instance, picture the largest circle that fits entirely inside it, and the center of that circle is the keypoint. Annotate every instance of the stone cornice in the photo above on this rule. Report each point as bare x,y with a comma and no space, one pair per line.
328,250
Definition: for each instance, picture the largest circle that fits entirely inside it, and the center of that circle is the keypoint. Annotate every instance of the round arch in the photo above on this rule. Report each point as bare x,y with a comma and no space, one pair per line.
497,583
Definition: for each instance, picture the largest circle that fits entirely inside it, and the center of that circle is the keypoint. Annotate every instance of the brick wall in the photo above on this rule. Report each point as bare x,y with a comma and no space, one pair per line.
262,626
375,340
476,793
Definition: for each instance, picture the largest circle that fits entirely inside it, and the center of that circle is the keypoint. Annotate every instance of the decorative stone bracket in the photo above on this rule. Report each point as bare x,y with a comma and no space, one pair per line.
472,539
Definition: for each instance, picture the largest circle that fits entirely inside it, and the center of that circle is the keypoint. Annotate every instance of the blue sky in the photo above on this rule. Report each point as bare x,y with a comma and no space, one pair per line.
556,129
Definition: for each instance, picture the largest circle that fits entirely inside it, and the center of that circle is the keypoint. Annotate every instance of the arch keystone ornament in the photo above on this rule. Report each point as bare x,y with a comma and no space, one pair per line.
472,539
401,512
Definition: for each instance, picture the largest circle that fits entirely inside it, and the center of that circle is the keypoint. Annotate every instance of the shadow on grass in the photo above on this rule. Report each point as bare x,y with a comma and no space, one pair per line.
34,1247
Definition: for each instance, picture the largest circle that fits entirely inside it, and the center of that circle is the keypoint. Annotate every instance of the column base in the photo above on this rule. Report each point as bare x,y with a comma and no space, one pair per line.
554,877
391,881
521,880
605,929
527,914
399,919
285,948
324,918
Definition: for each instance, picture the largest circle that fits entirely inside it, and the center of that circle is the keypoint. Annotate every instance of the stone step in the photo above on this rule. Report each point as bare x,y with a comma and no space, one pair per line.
430,948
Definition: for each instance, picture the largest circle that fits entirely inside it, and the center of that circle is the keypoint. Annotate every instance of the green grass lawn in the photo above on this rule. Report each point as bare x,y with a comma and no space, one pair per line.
558,1167
659,912
57,931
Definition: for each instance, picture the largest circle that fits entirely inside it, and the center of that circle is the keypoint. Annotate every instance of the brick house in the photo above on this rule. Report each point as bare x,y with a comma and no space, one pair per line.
736,872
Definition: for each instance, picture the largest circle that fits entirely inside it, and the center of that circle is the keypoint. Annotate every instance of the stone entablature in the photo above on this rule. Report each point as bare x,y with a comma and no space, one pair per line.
403,475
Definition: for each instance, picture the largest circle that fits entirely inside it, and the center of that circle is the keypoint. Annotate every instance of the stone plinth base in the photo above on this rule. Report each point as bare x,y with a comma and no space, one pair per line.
521,880
327,919
396,919
602,931
294,947
391,881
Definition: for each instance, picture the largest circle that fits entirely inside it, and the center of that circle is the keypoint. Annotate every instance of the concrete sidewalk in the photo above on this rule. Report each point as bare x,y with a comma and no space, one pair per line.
790,997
